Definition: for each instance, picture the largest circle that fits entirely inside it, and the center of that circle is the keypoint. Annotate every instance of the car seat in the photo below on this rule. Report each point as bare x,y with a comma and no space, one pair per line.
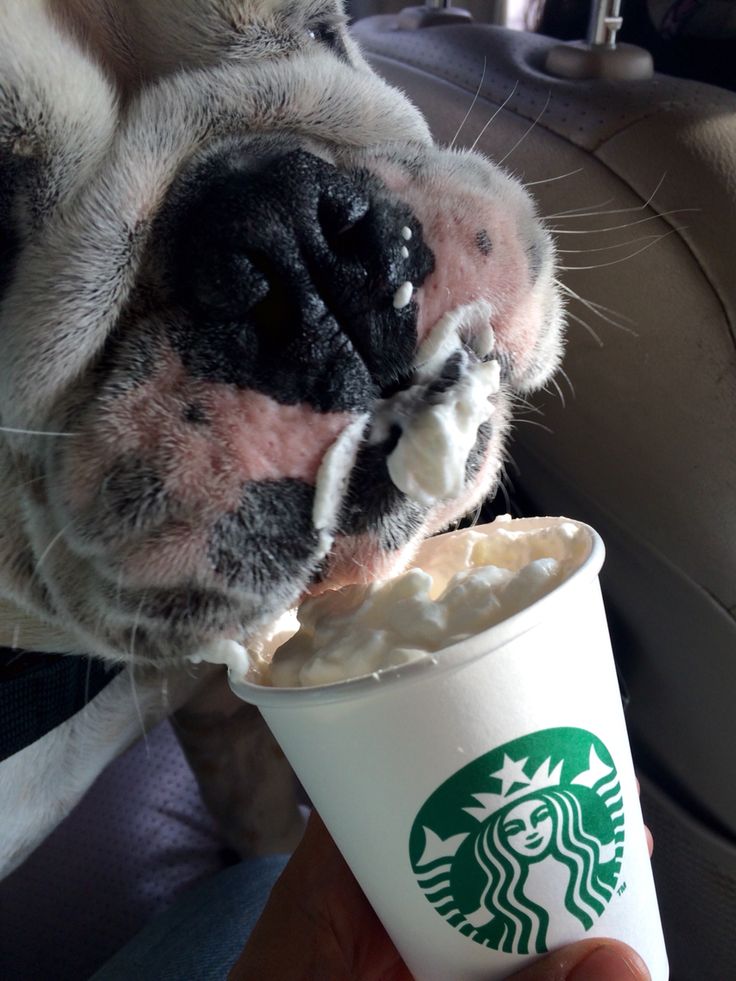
637,176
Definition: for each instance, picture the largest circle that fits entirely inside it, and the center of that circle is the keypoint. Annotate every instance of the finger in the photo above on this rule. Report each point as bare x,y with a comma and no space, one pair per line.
591,960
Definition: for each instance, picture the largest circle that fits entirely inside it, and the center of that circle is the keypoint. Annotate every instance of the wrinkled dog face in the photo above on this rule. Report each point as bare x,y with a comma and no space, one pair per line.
275,326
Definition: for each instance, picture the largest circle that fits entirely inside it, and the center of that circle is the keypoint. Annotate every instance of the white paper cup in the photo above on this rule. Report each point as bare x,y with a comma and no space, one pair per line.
486,800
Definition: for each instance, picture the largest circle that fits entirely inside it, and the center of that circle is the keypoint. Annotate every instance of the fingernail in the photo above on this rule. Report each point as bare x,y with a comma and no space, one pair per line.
610,964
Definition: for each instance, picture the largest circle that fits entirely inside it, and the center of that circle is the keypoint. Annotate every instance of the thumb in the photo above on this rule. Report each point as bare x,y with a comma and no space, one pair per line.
590,960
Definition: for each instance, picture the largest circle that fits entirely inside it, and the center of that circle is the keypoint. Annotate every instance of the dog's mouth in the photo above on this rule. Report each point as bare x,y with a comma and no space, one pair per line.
419,447
292,405
431,427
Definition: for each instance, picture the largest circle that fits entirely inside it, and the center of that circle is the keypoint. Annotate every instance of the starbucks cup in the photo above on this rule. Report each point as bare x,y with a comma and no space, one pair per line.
485,797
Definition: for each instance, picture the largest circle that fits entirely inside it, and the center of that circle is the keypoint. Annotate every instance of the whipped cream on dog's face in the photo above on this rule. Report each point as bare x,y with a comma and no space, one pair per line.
460,585
439,429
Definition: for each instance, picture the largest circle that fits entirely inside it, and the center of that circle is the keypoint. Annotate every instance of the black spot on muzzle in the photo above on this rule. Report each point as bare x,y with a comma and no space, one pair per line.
285,272
373,504
269,540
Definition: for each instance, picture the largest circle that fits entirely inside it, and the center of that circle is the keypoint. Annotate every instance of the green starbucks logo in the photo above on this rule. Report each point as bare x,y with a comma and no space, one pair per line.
522,847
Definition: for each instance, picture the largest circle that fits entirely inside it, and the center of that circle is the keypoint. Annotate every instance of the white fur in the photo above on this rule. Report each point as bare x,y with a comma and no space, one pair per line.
101,104
42,783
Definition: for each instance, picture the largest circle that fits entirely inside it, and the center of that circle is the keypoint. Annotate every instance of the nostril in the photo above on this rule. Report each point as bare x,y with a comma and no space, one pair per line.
277,322
249,284
339,210
228,282
277,313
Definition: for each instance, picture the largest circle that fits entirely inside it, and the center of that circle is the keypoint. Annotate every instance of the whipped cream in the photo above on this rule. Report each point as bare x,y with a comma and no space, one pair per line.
460,584
439,430
223,651
428,463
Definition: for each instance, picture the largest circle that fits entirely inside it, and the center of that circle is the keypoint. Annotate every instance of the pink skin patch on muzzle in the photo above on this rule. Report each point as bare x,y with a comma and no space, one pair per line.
204,442
479,255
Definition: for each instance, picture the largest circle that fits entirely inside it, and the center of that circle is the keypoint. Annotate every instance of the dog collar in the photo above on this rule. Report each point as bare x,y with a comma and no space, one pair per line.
39,692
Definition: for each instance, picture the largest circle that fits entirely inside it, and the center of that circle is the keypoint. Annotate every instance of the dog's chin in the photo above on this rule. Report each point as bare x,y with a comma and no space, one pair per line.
132,621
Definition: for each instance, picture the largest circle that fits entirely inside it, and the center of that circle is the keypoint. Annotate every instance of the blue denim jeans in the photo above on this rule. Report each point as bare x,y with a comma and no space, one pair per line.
201,936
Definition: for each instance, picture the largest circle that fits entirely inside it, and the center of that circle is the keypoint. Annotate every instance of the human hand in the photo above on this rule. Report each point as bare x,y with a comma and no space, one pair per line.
589,960
318,926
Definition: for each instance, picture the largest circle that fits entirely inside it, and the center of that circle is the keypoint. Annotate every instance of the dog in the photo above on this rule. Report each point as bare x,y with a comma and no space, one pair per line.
238,281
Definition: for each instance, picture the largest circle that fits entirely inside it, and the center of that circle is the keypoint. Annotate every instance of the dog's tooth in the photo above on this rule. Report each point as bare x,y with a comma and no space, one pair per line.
404,252
481,339
406,233
469,323
403,295
332,477
441,342
228,652
475,327
490,371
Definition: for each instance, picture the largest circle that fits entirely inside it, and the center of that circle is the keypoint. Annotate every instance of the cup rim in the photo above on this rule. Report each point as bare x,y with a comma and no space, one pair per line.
447,659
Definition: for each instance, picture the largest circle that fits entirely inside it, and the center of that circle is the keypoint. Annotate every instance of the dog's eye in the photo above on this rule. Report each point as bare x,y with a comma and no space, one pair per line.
327,32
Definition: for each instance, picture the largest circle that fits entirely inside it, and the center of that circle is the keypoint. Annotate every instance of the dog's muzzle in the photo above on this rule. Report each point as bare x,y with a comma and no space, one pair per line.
296,280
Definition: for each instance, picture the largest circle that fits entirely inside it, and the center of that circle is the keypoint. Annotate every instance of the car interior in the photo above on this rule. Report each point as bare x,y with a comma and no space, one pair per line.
633,169
620,118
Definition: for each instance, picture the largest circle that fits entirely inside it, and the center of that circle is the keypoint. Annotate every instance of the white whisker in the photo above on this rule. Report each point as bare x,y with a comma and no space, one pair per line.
625,258
165,700
510,461
586,325
137,704
553,382
36,432
119,587
593,209
47,550
561,371
613,245
604,313
560,177
651,197
475,99
574,212
616,228
476,515
19,487
519,420
506,496
488,123
131,652
520,402
528,131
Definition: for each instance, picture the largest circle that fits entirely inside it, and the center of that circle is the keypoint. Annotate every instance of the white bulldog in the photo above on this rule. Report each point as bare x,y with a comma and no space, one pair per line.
259,337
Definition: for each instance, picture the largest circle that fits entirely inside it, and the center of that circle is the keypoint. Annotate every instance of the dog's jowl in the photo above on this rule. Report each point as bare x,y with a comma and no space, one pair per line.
234,273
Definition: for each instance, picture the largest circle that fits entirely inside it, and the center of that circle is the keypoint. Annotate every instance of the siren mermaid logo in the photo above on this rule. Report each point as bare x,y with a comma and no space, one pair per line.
521,849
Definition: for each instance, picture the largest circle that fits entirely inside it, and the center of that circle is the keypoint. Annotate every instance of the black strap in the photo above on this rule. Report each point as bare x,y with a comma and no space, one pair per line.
38,692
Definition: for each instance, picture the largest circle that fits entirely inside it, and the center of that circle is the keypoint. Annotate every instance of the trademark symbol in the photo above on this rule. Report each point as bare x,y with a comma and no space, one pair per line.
621,889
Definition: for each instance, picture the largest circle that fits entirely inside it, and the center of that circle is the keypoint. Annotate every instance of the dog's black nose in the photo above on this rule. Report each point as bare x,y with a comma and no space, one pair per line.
292,275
